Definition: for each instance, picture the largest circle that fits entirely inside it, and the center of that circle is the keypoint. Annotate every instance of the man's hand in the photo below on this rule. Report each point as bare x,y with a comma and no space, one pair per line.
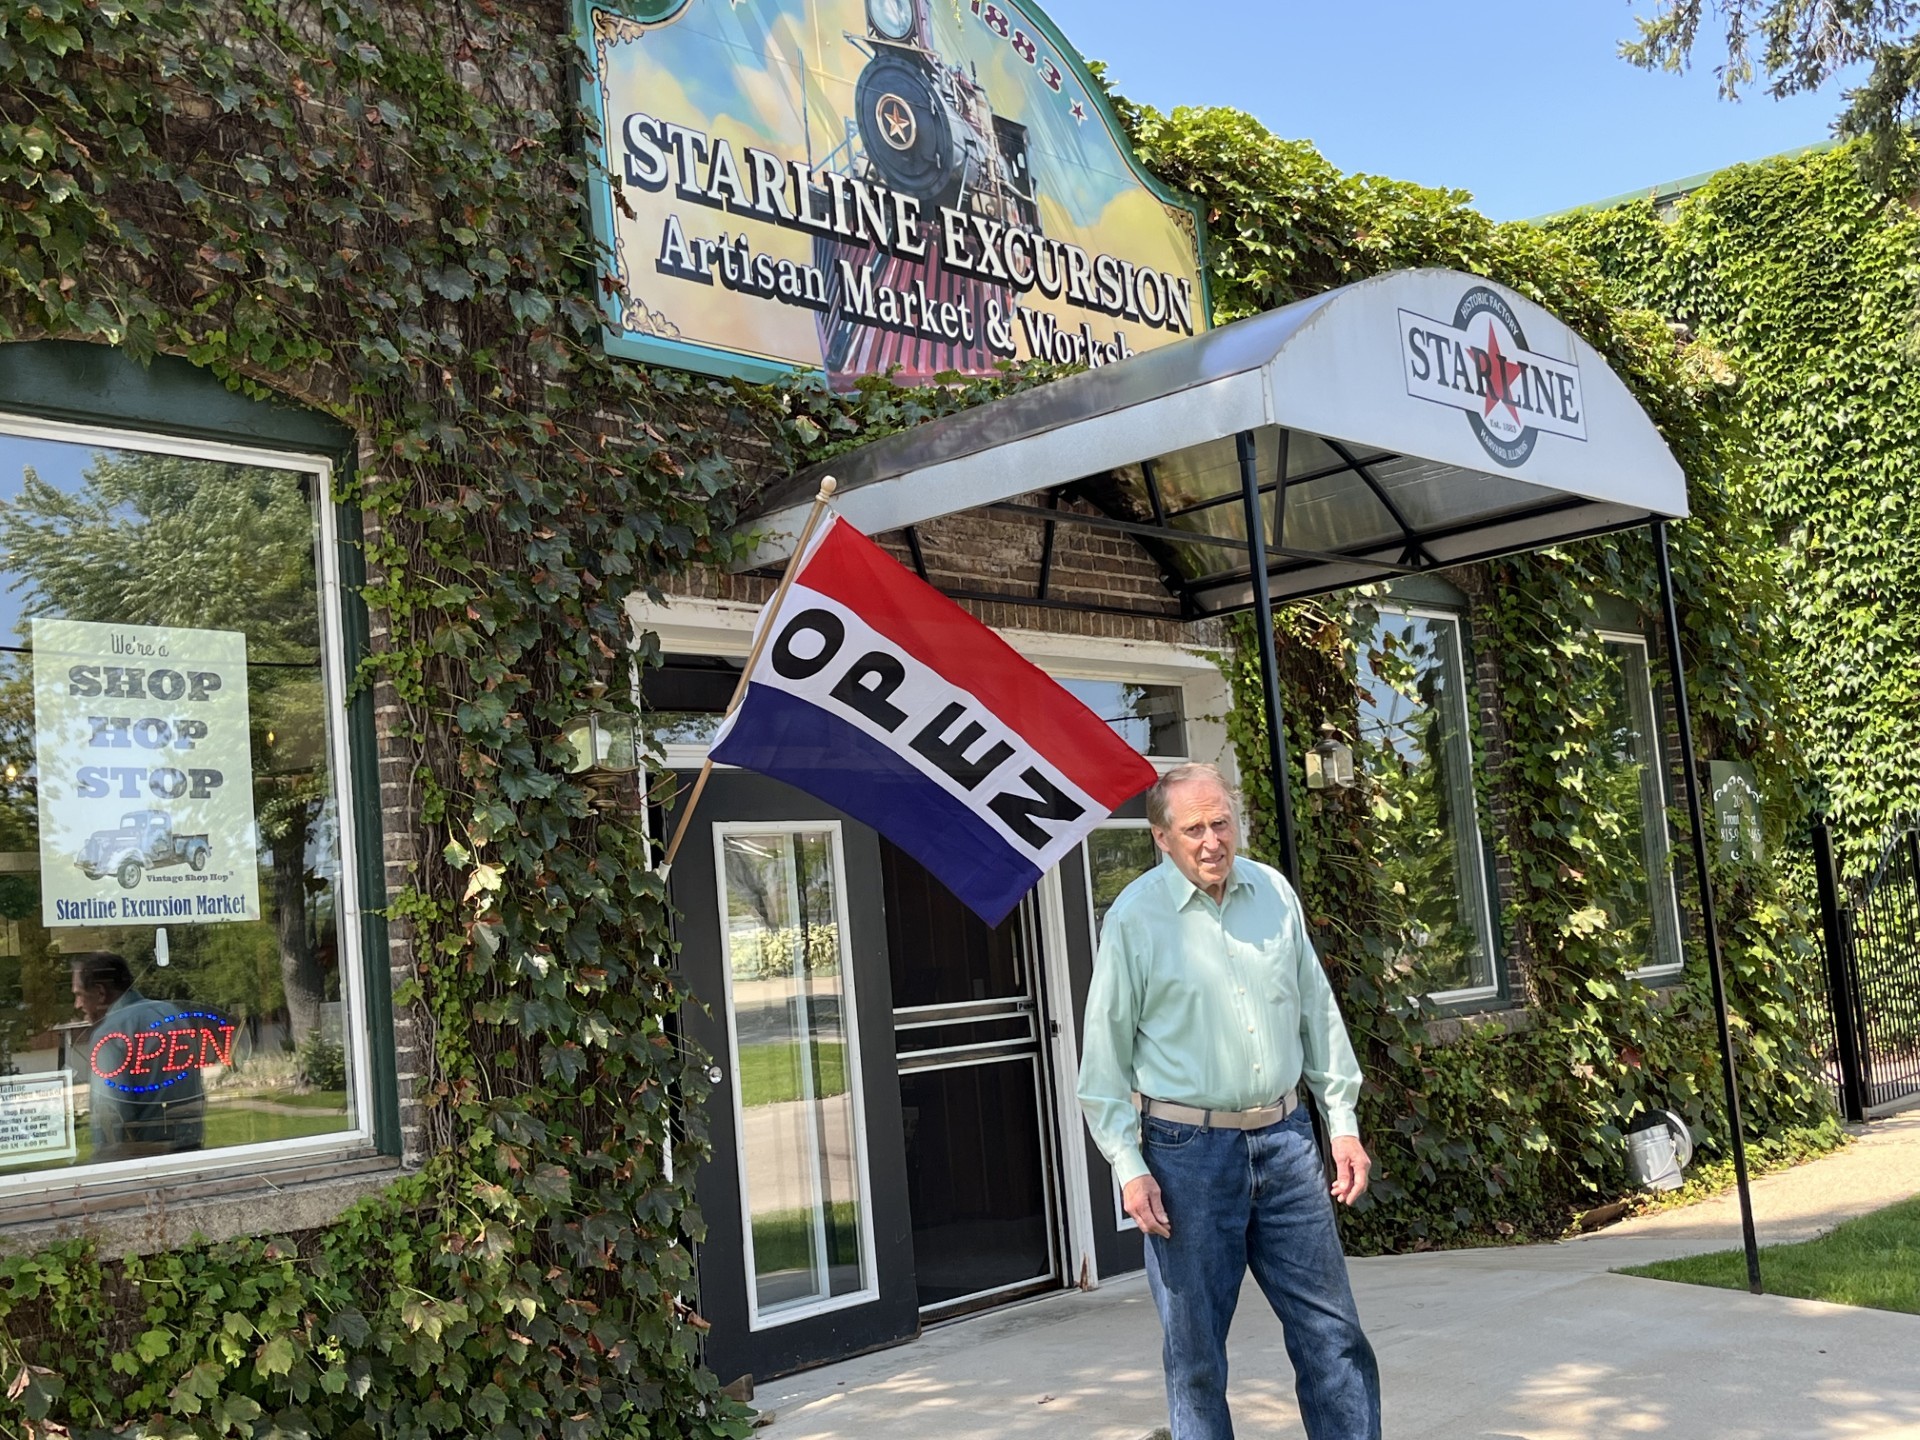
1350,1167
1141,1200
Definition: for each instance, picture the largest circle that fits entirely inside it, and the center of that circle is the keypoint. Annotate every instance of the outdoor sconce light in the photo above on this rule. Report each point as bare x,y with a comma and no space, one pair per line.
605,748
1329,763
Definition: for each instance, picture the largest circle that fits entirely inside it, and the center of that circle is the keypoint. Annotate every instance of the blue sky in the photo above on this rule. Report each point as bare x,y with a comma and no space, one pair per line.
1522,102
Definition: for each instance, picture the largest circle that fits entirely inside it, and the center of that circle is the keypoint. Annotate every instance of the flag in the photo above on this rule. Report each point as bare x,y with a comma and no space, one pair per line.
876,693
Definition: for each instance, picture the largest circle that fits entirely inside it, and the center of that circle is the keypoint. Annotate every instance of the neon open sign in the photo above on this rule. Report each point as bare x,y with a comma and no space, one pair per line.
164,1053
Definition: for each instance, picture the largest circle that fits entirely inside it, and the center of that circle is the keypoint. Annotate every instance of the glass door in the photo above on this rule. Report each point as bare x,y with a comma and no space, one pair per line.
969,1042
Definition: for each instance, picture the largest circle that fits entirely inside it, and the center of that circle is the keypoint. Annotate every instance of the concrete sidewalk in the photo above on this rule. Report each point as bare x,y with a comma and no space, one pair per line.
1523,1343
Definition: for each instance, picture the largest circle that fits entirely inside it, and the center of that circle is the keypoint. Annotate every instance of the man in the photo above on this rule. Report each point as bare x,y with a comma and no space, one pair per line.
1209,1003
136,1103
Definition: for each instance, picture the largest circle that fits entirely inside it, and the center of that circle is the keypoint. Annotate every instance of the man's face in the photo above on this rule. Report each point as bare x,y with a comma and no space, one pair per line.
1201,834
91,1001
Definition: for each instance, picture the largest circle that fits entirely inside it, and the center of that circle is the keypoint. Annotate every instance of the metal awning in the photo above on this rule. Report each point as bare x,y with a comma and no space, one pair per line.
1412,421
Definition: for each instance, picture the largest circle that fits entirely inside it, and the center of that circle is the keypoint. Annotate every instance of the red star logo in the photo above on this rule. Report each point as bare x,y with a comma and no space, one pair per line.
1500,374
1079,112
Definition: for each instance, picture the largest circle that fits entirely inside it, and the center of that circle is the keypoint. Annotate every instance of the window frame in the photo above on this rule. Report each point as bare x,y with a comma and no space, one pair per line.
1494,991
1675,966
373,1118
869,1292
1122,1221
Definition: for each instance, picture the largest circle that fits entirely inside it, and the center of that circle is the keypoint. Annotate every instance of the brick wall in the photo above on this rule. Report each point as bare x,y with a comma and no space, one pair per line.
991,563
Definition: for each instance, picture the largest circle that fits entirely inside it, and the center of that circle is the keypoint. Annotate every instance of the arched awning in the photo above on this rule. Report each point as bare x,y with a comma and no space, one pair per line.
1416,420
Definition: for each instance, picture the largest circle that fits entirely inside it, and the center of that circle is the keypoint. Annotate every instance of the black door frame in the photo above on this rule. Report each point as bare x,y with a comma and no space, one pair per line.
734,1347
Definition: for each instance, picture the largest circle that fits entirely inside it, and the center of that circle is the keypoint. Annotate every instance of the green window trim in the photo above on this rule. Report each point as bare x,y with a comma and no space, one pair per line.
99,386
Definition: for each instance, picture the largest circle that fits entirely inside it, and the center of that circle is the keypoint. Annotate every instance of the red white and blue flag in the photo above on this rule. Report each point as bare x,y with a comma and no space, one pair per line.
876,693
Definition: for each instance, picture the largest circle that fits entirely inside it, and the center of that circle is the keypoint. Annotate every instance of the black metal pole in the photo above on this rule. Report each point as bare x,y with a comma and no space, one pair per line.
1840,988
1691,771
1269,655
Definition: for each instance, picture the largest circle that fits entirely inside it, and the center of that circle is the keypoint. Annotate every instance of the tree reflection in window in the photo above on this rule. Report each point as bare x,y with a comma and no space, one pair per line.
1627,811
1415,750
133,537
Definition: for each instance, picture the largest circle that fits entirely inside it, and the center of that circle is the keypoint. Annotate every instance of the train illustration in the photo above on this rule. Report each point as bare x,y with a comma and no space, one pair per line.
922,126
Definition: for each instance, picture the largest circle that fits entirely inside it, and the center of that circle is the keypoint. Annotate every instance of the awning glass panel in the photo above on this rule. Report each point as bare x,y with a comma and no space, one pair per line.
1433,496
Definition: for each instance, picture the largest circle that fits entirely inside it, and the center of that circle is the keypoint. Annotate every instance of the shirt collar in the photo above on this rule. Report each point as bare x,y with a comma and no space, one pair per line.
1181,890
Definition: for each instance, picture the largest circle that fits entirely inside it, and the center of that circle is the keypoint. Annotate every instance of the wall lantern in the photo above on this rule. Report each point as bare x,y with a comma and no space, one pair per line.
606,748
1329,763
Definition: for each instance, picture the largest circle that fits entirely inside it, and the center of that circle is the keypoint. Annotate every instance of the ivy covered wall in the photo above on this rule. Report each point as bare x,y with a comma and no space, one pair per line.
377,210
1489,1130
1806,281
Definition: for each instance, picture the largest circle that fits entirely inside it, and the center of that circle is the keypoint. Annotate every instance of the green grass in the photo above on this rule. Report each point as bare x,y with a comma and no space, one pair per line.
771,1073
783,1239
225,1126
250,1127
1873,1261
335,1100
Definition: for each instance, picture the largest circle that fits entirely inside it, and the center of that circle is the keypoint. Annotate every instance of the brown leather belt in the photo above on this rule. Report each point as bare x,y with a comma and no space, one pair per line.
1255,1119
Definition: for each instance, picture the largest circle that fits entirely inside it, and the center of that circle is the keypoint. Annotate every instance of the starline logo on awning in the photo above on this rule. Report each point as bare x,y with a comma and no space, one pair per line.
1479,363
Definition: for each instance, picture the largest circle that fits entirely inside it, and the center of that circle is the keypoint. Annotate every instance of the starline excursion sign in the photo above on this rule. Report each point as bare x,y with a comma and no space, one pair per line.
869,187
1478,362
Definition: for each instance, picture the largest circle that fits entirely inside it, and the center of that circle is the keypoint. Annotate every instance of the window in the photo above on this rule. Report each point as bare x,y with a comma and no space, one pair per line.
178,978
803,1183
1415,747
1118,853
1631,805
1147,717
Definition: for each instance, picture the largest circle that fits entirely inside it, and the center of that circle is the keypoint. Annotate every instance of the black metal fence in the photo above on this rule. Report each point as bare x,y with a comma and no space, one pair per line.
1872,929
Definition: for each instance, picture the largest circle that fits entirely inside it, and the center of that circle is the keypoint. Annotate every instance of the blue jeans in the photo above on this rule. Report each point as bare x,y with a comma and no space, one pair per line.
1237,1199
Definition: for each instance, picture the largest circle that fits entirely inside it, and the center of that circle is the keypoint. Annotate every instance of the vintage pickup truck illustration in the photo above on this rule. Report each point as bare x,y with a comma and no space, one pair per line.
145,840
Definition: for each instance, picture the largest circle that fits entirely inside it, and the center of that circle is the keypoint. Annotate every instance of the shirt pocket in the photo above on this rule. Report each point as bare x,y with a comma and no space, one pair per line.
1278,982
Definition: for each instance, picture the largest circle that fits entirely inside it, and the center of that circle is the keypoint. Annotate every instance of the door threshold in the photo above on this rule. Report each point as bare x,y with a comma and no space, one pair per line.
968,1306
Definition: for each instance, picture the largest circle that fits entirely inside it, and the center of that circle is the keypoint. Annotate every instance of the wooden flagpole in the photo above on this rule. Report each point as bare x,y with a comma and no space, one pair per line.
820,502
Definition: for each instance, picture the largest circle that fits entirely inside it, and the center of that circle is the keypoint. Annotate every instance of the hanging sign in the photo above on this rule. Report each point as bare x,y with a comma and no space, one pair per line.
143,760
160,1051
36,1118
1736,812
869,187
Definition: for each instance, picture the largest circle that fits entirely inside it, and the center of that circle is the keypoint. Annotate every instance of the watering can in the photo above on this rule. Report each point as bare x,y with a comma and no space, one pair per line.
1659,1145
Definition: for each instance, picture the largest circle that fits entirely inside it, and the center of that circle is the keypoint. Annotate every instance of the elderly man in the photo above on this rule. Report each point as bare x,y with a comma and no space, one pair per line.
1210,1005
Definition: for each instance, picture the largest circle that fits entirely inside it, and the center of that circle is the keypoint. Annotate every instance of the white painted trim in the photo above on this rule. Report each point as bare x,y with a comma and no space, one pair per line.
850,1025
1076,1195
1121,1220
693,625
358,1134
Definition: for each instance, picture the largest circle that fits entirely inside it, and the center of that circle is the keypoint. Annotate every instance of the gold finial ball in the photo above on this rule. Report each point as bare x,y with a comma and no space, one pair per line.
827,486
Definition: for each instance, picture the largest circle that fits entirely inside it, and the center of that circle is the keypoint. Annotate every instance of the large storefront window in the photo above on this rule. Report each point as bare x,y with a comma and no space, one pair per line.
803,1179
1630,805
175,918
1415,746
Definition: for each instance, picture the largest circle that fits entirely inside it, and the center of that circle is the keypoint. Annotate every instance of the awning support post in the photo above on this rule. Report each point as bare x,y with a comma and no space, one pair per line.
1269,654
1689,767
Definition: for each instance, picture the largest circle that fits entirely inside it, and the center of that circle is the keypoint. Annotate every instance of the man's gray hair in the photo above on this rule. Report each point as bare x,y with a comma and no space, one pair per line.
1159,814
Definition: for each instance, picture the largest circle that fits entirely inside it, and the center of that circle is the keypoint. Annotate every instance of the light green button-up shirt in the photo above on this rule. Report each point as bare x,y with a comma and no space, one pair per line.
1221,1006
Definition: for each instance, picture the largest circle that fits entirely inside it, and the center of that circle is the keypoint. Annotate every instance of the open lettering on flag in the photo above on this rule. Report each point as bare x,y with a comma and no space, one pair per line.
877,694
